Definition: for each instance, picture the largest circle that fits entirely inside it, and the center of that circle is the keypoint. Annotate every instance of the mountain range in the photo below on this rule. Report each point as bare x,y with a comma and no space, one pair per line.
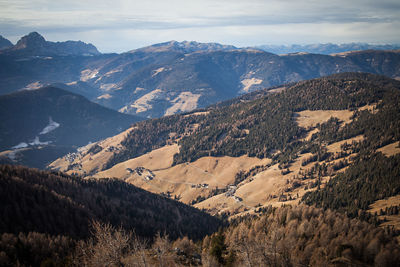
264,149
325,49
174,77
248,158
34,44
302,159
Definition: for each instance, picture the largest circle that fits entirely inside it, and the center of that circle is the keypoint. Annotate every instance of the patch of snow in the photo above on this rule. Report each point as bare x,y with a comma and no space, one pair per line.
50,127
186,101
248,83
138,89
108,74
12,155
108,86
105,96
124,109
33,86
88,74
36,142
20,145
157,71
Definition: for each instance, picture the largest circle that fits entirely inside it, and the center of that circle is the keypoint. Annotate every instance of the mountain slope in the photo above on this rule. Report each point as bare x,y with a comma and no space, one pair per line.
368,180
190,81
57,204
221,130
4,43
261,149
55,117
305,236
175,77
59,209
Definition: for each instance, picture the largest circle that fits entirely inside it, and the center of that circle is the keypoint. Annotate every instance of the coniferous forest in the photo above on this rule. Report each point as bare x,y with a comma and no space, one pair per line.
269,119
199,133
49,218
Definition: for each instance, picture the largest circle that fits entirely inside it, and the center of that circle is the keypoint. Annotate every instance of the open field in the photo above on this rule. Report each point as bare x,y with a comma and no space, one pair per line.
187,180
86,163
391,220
335,147
196,182
391,149
310,118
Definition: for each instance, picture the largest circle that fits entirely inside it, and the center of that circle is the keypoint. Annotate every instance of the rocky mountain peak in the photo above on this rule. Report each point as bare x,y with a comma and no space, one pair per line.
4,43
32,40
35,44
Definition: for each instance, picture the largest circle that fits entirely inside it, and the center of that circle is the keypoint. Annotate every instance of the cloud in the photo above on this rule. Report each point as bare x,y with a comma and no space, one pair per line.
183,19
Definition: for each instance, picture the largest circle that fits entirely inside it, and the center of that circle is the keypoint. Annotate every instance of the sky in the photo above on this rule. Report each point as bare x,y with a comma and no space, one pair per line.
123,25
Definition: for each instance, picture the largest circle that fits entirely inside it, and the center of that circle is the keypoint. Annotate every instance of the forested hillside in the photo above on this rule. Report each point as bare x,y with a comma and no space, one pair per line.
265,125
311,136
58,204
38,126
286,236
307,204
303,236
370,178
76,120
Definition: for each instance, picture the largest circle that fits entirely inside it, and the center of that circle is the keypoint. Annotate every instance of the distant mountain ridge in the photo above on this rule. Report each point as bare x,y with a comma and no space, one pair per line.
185,47
325,49
4,43
34,44
175,77
155,84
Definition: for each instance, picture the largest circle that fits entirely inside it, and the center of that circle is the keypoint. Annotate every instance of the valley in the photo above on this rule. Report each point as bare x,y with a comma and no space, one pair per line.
198,154
198,182
236,184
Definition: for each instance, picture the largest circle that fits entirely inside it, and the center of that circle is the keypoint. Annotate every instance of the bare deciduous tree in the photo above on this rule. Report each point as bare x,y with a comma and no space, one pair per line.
106,247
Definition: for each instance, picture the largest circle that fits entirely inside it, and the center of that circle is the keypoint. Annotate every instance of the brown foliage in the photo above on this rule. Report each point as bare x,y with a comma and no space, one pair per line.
306,236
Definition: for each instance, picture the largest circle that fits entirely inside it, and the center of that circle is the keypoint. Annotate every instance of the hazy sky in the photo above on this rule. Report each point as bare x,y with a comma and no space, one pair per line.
122,25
